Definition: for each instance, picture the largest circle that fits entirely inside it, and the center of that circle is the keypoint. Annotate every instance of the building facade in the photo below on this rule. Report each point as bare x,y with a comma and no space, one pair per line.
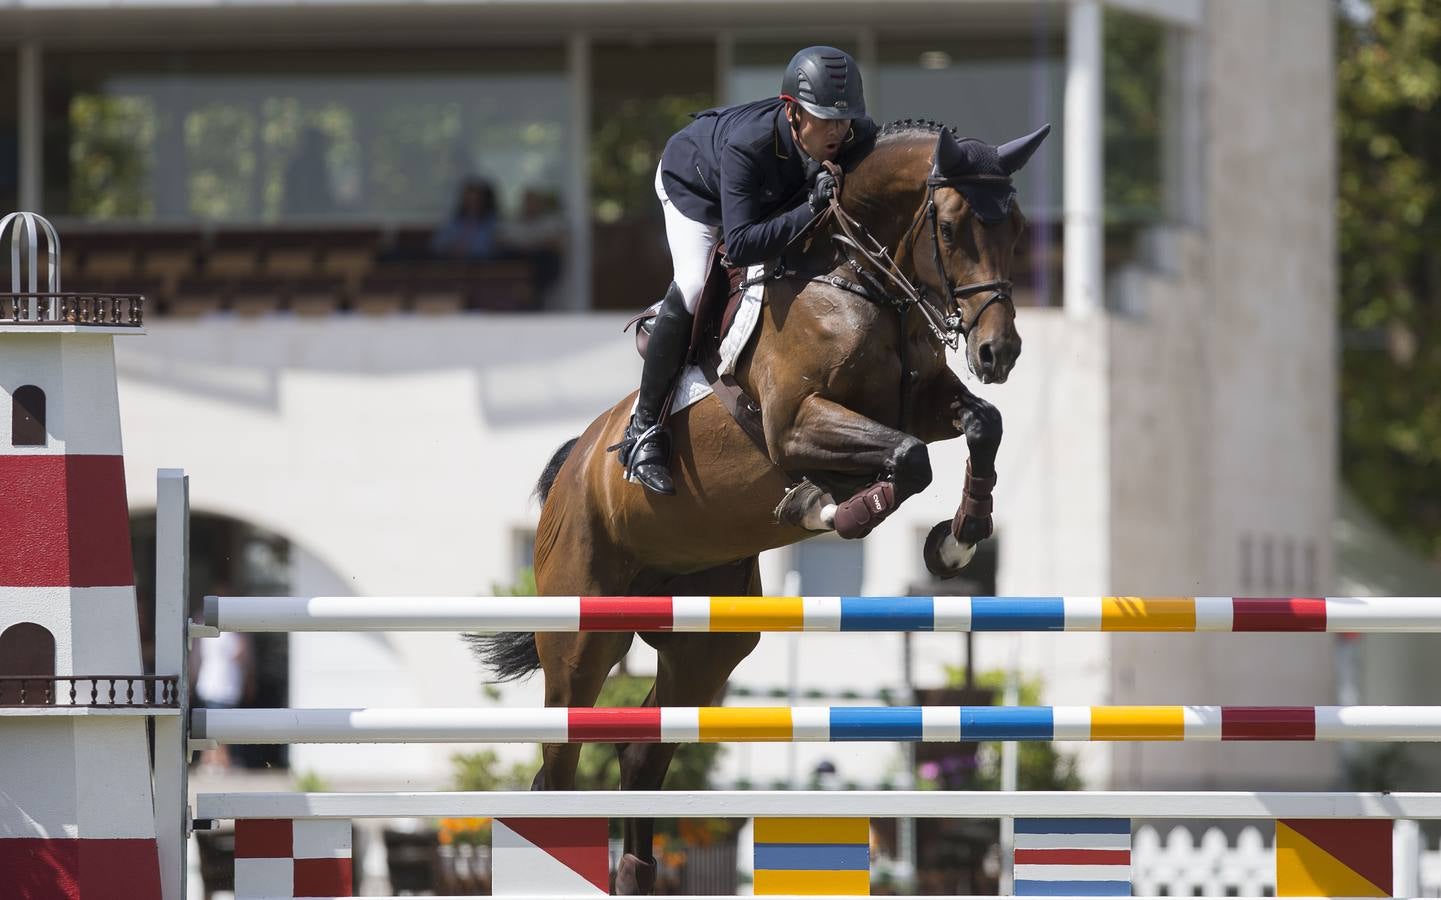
1170,428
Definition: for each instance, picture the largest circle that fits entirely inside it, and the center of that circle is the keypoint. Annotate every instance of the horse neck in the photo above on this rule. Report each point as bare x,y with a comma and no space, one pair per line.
885,191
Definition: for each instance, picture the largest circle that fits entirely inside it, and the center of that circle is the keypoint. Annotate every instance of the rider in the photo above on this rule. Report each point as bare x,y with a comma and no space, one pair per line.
750,174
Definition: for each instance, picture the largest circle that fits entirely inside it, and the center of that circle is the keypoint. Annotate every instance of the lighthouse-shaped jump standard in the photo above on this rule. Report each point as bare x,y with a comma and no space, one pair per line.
76,819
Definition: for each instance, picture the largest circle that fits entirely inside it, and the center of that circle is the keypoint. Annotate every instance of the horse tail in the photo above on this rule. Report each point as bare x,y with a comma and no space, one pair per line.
552,469
511,655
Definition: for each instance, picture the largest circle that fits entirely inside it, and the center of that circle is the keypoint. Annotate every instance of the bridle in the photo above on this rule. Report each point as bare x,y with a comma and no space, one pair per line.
947,325
1000,288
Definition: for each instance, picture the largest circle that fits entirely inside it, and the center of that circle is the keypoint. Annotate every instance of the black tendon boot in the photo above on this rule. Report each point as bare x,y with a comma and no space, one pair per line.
645,451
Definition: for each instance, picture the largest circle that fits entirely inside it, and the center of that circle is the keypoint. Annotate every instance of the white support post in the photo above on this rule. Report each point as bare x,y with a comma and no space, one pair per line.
1084,273
578,254
32,127
1406,847
172,642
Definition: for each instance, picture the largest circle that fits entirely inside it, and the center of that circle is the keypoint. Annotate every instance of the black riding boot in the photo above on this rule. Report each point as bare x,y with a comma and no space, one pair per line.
645,451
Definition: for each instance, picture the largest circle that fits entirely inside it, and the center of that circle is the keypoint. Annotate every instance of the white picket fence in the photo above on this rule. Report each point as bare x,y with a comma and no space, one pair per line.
1180,866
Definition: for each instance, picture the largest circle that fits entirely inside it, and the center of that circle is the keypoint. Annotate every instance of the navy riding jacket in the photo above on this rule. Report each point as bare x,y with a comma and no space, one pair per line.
739,167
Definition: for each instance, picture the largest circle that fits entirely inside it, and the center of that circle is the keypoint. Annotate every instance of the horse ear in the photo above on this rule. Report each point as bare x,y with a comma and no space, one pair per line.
949,157
1017,153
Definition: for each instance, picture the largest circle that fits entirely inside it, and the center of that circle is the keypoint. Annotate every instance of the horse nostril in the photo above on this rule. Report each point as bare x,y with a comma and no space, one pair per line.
988,357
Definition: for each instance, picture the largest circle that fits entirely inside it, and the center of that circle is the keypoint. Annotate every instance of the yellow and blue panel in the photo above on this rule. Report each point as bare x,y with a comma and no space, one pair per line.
813,856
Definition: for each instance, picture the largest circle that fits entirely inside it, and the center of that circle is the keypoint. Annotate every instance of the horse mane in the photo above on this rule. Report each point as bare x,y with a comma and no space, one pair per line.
905,127
975,156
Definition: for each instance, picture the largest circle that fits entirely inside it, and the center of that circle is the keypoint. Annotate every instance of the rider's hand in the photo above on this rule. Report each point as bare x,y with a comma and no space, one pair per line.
823,190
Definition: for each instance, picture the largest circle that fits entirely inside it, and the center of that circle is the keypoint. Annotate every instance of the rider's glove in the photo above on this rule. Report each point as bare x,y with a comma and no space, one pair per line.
822,190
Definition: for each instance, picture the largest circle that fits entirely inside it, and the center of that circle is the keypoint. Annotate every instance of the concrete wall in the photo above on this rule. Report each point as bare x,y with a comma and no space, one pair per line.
1222,396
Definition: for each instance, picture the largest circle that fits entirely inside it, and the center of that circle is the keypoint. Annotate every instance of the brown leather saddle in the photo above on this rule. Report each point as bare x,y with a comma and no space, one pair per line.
715,314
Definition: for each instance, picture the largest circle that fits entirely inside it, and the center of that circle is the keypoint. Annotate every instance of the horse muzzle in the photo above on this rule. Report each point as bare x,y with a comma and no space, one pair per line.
992,360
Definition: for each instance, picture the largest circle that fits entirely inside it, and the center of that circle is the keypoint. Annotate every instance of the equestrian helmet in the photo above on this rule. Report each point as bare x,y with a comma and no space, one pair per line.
826,82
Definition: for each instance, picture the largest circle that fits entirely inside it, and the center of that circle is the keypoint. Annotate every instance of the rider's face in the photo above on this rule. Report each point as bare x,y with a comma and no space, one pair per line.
820,138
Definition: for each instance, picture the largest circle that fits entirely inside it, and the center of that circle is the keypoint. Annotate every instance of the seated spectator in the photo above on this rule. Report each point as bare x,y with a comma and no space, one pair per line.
538,235
472,230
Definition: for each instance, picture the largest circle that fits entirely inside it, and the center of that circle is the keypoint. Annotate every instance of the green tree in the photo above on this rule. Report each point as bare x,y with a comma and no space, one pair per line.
1388,106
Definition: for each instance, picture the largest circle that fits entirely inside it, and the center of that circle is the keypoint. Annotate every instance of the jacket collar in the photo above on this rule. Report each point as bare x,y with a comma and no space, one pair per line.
785,144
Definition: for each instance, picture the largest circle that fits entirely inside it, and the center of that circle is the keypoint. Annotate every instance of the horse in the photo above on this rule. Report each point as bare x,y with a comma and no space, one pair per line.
852,386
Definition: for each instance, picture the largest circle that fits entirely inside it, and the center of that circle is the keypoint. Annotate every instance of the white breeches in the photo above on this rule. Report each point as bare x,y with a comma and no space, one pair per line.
691,246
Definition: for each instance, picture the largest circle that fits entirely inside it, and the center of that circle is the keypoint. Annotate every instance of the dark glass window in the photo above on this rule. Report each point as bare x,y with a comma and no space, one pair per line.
27,417
27,649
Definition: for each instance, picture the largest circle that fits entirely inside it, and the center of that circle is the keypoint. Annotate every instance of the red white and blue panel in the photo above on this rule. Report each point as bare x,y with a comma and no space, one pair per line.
1072,858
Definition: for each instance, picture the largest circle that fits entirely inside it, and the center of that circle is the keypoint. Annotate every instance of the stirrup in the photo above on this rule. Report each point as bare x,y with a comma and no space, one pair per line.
630,446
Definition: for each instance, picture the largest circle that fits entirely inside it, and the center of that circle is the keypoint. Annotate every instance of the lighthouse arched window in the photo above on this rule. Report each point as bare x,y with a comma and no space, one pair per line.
27,417
27,649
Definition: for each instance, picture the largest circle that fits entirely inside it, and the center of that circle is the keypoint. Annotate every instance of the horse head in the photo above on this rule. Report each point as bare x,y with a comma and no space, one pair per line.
962,235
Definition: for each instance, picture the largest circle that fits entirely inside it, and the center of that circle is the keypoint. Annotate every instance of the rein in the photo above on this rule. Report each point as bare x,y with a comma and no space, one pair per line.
875,265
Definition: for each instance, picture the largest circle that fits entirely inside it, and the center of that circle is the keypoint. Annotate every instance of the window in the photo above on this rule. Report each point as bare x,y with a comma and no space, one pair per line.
27,649
634,110
300,136
830,567
994,89
27,417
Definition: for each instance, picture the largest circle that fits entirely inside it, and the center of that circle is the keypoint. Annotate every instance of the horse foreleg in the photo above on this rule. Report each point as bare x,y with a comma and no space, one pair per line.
951,410
826,437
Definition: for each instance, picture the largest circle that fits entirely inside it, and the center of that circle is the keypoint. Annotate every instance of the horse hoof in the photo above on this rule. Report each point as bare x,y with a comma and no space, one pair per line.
944,555
803,507
634,876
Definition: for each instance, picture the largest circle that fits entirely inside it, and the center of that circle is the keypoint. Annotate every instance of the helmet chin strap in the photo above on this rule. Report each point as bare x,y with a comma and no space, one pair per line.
811,164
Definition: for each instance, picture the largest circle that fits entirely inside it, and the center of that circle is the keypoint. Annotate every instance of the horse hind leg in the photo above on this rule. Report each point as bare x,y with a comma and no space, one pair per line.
807,505
691,670
575,666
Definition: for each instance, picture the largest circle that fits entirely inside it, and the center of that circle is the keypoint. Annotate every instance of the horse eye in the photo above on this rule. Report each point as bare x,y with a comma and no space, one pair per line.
946,232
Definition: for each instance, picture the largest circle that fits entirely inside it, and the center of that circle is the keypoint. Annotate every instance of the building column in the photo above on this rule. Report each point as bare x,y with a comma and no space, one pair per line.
725,58
32,130
578,173
1084,272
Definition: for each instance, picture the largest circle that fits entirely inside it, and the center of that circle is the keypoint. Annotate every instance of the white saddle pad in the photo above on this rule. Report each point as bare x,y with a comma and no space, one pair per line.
694,386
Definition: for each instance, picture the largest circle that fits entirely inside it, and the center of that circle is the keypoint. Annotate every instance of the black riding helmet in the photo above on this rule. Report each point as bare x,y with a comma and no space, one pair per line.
826,82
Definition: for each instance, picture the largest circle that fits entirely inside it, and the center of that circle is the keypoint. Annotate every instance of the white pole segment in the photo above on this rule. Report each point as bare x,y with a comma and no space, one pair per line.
379,726
1383,614
877,804
560,614
1378,723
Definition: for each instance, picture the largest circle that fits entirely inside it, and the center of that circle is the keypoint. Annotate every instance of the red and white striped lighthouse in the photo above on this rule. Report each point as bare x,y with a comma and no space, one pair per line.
76,812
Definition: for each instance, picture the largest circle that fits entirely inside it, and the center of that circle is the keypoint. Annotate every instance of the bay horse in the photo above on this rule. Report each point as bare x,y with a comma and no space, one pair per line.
851,390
